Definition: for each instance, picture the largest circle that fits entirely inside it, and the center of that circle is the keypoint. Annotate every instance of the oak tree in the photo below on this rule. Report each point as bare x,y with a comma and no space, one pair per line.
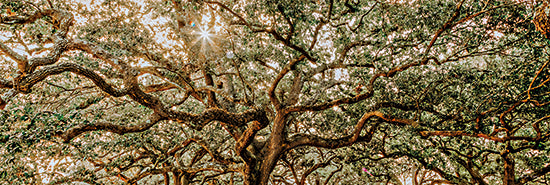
274,92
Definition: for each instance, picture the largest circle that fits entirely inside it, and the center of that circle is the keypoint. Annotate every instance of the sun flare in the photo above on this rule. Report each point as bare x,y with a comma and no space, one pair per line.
205,35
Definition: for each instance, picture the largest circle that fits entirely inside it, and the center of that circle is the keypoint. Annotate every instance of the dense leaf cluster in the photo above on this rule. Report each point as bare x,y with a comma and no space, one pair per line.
274,92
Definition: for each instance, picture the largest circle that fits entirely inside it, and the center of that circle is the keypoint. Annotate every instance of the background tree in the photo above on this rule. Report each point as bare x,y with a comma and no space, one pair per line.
281,92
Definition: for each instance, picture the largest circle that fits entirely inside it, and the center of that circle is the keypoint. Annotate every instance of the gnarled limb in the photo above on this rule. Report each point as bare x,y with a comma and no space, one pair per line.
313,140
479,135
198,121
25,84
26,19
313,168
525,178
59,48
22,61
271,93
114,128
6,84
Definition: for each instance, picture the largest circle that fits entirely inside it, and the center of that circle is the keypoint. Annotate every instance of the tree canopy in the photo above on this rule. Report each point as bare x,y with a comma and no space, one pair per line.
274,92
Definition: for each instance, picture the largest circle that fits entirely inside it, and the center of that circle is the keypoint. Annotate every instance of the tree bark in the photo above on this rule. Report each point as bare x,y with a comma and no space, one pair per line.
177,178
252,173
509,175
273,149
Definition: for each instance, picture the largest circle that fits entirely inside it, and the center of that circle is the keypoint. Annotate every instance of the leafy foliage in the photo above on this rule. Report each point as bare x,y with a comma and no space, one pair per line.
274,92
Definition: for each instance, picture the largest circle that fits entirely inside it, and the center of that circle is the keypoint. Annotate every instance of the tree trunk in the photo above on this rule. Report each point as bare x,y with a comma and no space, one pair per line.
166,178
177,178
509,175
273,149
252,173
258,170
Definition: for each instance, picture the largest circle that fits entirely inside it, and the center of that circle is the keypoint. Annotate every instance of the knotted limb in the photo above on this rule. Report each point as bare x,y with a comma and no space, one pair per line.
37,69
317,141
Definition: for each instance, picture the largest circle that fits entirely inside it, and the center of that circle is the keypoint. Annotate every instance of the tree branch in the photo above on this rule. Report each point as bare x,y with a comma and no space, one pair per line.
478,135
314,140
27,82
6,84
534,175
271,93
198,121
448,25
114,128
313,168
26,19
21,60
